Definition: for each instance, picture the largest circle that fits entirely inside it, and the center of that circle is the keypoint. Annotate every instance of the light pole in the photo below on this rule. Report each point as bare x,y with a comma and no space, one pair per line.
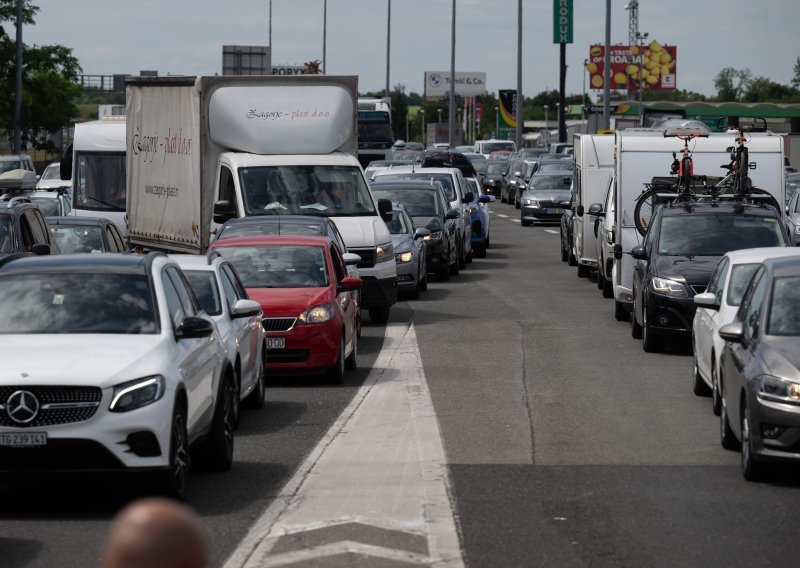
496,122
640,37
546,140
388,45
422,112
324,33
438,110
583,100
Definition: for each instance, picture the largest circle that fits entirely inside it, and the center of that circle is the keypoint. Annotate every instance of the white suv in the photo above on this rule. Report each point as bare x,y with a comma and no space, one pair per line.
109,363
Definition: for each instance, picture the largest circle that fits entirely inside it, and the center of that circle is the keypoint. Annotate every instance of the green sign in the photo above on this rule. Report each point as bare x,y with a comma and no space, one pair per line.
562,21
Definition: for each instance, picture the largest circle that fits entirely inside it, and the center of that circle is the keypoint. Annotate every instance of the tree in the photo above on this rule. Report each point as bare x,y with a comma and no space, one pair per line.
49,82
762,90
731,84
796,79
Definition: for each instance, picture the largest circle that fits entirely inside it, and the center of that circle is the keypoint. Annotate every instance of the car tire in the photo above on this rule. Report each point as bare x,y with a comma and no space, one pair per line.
257,398
583,271
608,289
752,470
352,360
620,313
571,260
414,294
462,257
335,374
455,268
423,283
726,438
443,271
379,314
502,198
716,398
564,253
699,386
488,244
636,327
235,401
480,251
527,223
174,481
601,280
650,343
215,453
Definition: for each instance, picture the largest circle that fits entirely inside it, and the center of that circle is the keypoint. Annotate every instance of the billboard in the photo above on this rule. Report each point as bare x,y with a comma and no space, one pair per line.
658,66
246,59
508,107
437,84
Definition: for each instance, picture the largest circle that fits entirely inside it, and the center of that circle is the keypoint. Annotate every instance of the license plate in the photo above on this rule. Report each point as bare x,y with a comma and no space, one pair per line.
553,211
276,343
24,439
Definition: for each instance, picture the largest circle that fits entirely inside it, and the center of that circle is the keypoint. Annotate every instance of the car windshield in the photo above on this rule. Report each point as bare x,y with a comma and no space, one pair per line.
714,235
784,312
739,279
561,166
53,171
7,234
55,303
397,224
47,203
796,203
8,165
330,191
204,286
496,168
278,266
80,238
100,181
418,202
545,183
792,186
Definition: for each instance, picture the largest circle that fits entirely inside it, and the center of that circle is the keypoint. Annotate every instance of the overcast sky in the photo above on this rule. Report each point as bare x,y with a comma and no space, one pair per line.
186,37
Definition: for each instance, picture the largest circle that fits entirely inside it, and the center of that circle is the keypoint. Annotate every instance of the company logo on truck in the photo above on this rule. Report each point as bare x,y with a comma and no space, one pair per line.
149,145
294,115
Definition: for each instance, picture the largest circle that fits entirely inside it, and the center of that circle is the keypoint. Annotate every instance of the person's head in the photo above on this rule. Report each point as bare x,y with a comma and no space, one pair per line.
155,533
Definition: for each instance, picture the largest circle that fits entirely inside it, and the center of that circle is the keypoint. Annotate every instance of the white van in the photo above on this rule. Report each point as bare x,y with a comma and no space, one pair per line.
641,154
594,164
486,147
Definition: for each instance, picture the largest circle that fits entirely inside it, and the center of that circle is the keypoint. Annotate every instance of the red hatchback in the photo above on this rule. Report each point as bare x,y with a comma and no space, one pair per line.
310,312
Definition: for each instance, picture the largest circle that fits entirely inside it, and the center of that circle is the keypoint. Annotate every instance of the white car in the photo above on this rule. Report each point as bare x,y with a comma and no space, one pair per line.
223,297
717,306
50,179
109,363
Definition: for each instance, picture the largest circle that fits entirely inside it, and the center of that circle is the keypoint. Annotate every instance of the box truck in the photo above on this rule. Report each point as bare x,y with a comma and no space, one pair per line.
642,154
202,150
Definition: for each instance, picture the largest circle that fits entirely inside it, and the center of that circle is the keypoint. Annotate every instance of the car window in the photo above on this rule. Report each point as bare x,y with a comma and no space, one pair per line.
278,266
718,279
228,289
333,233
7,238
784,311
752,308
230,272
740,278
417,202
184,291
338,265
204,286
227,190
397,224
77,238
174,305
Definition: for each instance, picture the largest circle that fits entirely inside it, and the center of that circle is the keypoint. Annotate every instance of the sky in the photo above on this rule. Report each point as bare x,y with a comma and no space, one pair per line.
185,37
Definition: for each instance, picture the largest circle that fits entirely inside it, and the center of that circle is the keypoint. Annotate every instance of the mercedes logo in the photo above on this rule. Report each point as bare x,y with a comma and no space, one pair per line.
22,406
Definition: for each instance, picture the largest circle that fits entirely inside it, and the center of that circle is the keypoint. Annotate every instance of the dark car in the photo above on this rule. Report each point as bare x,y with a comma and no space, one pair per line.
545,197
23,228
494,181
518,177
682,246
86,234
409,252
427,205
760,370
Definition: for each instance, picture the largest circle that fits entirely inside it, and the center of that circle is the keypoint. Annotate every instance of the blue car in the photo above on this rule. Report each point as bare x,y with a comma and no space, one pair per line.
479,216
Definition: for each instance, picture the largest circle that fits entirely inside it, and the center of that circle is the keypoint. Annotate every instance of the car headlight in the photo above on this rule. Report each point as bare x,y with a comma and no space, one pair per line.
404,257
434,236
318,314
779,390
136,393
490,182
384,252
668,287
797,230
533,202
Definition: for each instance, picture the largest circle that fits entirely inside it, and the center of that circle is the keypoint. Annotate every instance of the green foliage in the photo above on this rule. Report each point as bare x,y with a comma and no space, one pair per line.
48,83
796,78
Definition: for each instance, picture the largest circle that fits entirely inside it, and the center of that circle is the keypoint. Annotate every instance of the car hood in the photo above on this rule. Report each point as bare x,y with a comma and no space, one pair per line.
402,243
782,357
367,231
432,223
696,271
86,359
289,302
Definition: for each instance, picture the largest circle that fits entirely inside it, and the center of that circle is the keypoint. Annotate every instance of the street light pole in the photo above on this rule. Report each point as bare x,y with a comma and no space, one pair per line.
496,122
640,37
583,100
324,33
422,112
452,115
18,84
388,44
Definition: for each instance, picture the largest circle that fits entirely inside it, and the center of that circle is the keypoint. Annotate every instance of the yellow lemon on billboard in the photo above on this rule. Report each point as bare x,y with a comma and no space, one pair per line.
652,79
591,67
597,81
635,50
620,79
654,46
664,57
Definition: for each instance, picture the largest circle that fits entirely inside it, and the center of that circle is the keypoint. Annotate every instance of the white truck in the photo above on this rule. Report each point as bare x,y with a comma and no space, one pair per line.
642,154
95,163
594,164
202,150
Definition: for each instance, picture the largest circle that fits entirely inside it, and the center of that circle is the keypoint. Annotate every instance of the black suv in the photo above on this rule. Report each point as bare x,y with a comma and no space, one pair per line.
682,246
23,228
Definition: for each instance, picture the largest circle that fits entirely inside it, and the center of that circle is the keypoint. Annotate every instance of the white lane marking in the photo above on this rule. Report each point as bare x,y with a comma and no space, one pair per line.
502,215
382,463
515,220
552,231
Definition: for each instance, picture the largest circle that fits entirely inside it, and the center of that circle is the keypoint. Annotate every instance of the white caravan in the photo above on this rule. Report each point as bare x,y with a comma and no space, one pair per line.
642,154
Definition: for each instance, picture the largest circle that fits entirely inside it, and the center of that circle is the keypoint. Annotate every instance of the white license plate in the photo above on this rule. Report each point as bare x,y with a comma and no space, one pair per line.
276,343
24,439
553,211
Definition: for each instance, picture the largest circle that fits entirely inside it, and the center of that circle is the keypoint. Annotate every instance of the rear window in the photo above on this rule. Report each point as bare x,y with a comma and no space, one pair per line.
714,235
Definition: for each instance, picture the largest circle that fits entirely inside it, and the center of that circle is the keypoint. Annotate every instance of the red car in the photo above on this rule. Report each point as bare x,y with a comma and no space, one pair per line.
310,311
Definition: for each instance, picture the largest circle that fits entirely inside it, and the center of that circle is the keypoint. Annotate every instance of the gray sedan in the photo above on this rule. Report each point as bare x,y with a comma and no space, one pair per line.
544,198
409,252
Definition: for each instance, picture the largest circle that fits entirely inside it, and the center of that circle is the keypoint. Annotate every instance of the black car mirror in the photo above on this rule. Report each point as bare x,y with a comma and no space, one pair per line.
733,332
385,209
40,249
223,211
469,197
452,214
65,166
639,253
579,211
421,233
192,328
596,209
618,252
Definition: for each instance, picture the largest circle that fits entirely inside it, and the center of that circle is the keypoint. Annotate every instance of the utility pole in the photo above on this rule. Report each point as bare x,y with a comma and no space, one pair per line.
18,85
607,70
388,45
452,117
325,33
518,110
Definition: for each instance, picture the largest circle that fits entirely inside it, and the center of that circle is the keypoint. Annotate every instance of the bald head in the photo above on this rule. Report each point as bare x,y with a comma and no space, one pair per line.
155,533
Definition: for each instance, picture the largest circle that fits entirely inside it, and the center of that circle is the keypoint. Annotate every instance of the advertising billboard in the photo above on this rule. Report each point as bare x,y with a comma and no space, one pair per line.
658,64
437,84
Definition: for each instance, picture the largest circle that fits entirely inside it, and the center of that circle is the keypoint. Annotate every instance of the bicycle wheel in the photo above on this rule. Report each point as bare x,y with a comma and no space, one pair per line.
643,211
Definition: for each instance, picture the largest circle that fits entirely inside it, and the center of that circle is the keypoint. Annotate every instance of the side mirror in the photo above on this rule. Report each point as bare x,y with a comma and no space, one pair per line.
639,253
706,300
223,211
65,166
596,209
421,233
192,328
350,284
503,175
245,308
579,211
452,214
351,258
733,332
469,197
385,209
565,204
486,198
40,249
617,252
